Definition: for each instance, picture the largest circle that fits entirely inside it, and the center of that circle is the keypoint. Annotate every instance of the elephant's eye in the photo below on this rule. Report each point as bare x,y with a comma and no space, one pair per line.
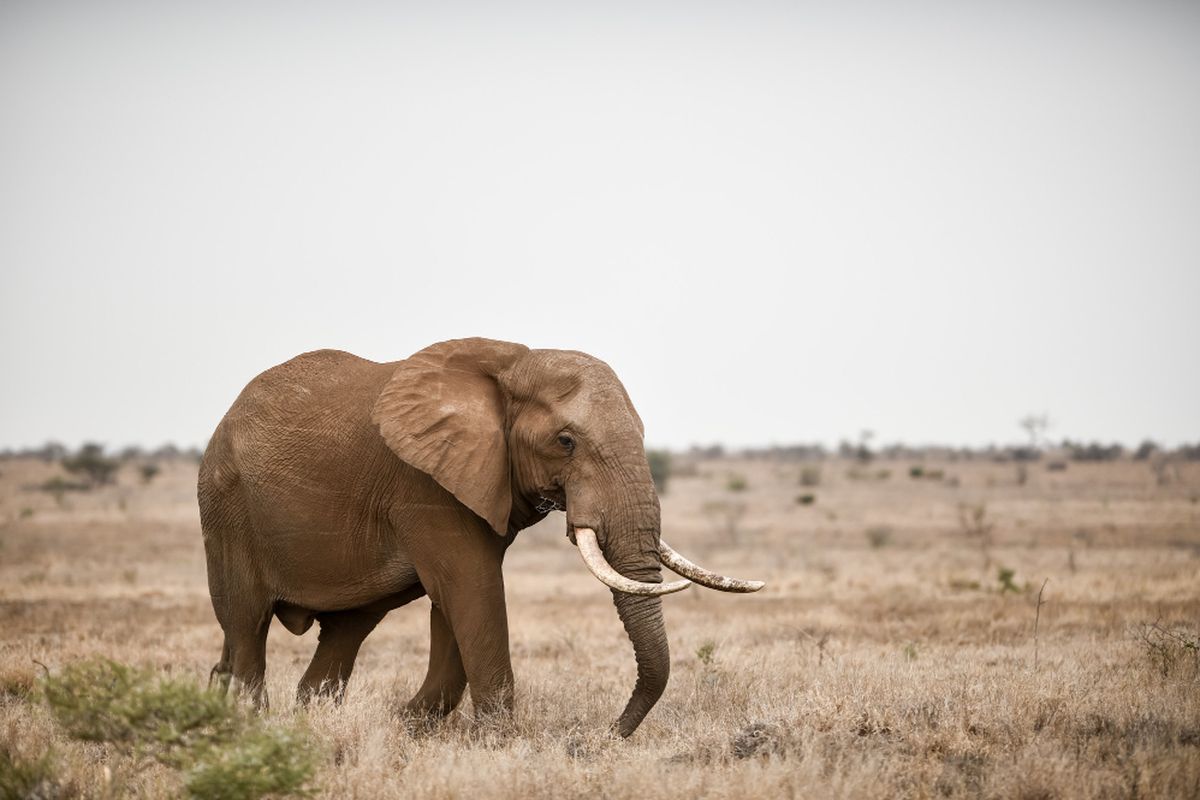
567,441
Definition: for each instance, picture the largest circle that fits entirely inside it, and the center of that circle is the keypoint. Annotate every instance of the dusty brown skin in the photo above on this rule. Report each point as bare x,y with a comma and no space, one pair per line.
338,489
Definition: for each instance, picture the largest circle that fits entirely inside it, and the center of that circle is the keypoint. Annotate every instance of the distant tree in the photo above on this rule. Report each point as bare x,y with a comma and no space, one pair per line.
1144,450
91,463
149,471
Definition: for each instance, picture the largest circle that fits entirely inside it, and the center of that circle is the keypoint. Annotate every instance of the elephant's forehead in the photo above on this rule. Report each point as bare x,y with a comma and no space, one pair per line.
565,372
579,385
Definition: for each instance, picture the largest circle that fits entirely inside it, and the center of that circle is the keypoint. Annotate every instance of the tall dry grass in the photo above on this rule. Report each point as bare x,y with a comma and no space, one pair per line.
865,669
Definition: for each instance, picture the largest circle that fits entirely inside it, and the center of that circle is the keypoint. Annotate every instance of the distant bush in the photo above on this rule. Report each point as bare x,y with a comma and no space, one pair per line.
879,537
91,462
150,470
1005,576
1095,451
660,468
58,486
736,483
806,499
1188,452
1056,466
810,476
1144,450
225,751
861,474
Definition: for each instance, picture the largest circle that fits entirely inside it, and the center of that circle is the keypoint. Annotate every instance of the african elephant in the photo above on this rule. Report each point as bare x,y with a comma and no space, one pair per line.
337,489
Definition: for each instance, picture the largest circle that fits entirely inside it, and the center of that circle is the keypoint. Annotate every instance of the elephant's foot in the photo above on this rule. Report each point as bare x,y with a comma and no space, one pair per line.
328,689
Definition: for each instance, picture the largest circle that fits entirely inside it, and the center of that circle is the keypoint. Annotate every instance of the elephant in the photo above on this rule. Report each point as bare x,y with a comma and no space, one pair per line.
336,489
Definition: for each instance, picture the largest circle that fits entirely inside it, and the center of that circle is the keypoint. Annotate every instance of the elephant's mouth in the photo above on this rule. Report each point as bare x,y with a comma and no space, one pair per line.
551,498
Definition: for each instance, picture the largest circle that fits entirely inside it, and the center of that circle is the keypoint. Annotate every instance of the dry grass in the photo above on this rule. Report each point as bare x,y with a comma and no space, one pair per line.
867,668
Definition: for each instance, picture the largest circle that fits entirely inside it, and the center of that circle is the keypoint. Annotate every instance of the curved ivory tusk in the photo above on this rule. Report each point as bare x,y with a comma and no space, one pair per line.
589,548
702,576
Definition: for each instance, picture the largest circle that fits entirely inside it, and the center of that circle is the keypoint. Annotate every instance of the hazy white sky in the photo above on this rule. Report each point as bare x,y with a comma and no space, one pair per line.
777,222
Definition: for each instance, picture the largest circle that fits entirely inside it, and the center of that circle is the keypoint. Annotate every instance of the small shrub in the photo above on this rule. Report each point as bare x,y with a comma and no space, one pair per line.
226,751
58,486
1056,466
916,472
879,536
103,701
810,476
268,761
1168,648
24,777
736,483
706,651
1005,576
806,499
26,513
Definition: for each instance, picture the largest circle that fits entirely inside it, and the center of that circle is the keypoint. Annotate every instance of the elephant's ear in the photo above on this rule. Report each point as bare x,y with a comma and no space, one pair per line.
443,412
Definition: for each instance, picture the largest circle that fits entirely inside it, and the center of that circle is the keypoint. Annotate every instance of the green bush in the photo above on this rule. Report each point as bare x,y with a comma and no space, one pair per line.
267,761
23,777
736,483
660,468
103,701
806,499
1005,576
226,751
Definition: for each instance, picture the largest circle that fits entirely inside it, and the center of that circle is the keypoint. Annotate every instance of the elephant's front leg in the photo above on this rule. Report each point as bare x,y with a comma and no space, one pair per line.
446,679
459,566
478,620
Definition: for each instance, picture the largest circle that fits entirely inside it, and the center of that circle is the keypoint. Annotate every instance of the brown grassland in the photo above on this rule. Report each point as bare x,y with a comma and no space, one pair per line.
885,658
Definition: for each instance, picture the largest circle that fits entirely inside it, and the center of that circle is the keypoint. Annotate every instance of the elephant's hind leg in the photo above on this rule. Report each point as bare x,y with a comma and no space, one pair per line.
446,679
243,610
342,633
246,643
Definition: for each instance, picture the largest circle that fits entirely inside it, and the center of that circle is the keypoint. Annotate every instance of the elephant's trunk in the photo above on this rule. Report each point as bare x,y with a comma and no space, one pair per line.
643,620
631,546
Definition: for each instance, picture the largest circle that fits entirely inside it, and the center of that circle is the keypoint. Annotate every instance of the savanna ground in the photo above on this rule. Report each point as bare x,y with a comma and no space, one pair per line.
886,657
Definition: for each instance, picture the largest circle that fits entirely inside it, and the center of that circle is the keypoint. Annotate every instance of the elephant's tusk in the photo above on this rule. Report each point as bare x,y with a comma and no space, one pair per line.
702,576
589,548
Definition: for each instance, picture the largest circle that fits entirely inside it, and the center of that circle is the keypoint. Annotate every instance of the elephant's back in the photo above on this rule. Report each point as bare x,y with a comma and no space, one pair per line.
301,429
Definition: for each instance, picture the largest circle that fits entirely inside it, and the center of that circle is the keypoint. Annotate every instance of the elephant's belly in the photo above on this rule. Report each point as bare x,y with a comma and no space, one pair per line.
330,576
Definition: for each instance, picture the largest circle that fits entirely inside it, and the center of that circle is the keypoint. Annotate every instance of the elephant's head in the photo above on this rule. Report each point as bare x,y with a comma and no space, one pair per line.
513,432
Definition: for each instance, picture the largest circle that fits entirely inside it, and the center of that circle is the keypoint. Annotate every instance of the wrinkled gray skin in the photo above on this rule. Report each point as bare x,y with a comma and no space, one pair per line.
336,489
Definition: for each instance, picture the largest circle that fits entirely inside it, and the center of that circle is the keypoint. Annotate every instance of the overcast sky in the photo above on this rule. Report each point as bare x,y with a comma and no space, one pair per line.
777,222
